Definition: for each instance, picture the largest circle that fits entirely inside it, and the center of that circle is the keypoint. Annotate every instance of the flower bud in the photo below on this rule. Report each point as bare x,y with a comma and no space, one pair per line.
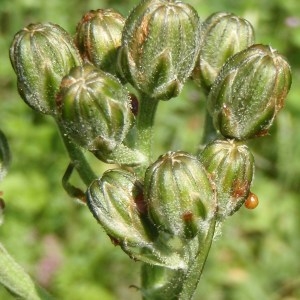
99,37
179,194
116,201
160,44
94,108
222,35
231,166
249,92
41,55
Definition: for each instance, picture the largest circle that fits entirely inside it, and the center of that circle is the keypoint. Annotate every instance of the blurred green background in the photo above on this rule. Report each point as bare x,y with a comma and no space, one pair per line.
58,241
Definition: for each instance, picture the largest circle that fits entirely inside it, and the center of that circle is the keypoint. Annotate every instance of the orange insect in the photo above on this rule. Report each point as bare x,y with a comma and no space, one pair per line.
252,201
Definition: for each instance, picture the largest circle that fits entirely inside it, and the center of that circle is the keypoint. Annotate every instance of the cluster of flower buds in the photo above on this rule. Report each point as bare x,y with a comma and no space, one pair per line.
246,86
176,200
159,46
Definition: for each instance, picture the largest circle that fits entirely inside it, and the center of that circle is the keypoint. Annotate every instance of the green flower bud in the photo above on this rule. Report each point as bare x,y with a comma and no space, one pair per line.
99,37
179,194
94,108
116,201
160,45
41,55
223,35
249,92
231,166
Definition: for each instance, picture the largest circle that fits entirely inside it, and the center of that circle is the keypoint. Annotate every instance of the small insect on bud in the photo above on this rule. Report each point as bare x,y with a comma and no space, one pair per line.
231,166
249,91
94,107
251,201
222,35
98,38
160,45
179,194
41,55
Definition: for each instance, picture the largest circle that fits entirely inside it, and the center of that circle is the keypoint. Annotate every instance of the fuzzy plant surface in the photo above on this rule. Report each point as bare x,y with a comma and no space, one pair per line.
103,88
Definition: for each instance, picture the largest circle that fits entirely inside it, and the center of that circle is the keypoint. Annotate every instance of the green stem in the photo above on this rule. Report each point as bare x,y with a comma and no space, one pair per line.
197,265
159,283
77,158
144,127
209,132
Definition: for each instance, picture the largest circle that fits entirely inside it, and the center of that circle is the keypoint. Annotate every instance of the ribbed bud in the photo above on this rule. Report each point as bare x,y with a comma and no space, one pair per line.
98,38
116,201
160,45
249,91
179,194
94,108
222,35
231,167
41,55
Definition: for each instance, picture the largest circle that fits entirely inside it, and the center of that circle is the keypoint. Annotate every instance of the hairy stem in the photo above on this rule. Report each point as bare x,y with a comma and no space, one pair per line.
209,132
77,158
144,126
159,283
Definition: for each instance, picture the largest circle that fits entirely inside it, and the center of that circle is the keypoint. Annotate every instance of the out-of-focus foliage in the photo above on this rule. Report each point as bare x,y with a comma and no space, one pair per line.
58,241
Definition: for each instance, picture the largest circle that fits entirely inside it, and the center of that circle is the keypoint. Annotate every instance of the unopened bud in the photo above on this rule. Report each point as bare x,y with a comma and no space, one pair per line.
179,194
249,91
94,108
160,45
231,167
41,55
99,37
222,35
116,201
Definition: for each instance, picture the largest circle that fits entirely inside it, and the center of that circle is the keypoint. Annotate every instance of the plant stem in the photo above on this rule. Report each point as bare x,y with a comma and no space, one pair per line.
159,283
197,265
77,158
144,126
209,132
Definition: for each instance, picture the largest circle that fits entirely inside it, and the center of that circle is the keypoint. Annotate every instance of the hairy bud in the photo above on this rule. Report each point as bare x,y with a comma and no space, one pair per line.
99,37
179,194
231,166
116,201
249,92
222,35
160,45
94,108
41,55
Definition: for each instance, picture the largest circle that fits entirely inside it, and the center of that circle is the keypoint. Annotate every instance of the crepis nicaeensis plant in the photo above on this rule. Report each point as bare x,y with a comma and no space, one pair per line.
162,212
